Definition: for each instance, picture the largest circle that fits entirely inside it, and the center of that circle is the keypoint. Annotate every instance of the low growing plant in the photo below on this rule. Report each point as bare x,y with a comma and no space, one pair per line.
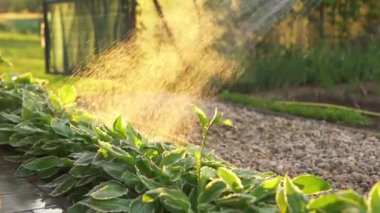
319,111
116,169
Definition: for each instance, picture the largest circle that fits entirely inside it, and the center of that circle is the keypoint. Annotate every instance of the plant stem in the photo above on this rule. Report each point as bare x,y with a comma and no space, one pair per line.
199,160
199,163
204,140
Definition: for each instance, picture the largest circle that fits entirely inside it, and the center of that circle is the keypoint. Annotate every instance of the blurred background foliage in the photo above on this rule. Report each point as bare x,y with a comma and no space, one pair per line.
20,5
336,42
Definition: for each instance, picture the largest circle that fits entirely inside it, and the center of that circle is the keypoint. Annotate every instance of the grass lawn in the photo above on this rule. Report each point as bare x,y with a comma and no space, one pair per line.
330,113
25,53
20,44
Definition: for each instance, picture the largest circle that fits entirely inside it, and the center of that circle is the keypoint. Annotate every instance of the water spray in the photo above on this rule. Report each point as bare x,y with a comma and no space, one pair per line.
175,61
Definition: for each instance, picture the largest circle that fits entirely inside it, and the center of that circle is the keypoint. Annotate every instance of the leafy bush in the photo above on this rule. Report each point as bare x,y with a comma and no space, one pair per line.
103,169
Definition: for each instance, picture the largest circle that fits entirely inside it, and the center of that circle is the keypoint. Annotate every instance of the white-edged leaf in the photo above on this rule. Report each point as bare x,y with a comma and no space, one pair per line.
113,205
108,190
374,199
202,117
64,187
45,163
230,179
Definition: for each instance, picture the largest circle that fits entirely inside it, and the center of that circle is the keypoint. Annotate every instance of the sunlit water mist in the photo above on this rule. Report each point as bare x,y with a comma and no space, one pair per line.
172,62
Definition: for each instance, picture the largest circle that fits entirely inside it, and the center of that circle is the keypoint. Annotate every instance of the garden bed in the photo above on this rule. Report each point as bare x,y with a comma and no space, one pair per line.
116,169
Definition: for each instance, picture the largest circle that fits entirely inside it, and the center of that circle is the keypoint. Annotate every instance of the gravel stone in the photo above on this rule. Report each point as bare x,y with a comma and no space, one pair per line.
345,157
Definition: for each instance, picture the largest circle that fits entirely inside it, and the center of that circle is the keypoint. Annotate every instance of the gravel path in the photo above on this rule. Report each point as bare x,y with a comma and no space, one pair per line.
346,158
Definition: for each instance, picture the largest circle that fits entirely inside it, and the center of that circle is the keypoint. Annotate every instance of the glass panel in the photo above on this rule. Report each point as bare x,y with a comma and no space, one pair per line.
80,29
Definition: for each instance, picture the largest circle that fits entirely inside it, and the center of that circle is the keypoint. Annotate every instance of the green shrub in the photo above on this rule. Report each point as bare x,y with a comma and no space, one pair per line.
116,169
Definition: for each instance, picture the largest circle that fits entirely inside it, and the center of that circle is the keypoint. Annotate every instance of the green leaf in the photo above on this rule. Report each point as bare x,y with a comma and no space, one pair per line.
173,172
295,200
228,122
173,199
118,153
130,178
45,163
310,184
137,205
19,140
11,117
374,199
54,102
134,137
280,200
17,158
83,171
147,199
61,128
115,170
148,183
48,173
207,173
28,128
84,158
266,189
67,95
58,181
169,157
236,201
26,78
212,191
6,127
4,137
120,126
26,113
23,172
83,117
140,188
352,197
219,120
55,146
148,167
202,117
64,187
108,190
113,205
331,203
86,180
77,208
102,135
230,179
